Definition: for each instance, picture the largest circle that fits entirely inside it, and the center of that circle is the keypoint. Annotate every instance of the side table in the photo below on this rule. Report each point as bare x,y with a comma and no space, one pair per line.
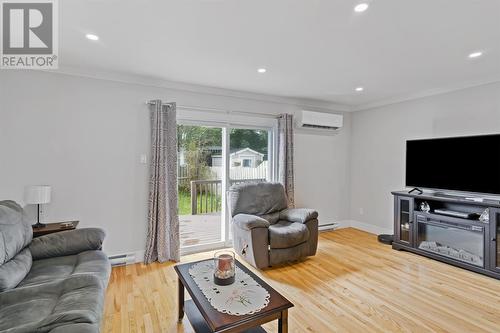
51,228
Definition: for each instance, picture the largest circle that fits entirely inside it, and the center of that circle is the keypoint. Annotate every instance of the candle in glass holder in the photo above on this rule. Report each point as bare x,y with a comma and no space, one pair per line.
224,268
224,261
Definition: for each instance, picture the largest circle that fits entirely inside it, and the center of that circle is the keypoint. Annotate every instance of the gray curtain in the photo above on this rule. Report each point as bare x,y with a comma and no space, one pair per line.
163,220
285,156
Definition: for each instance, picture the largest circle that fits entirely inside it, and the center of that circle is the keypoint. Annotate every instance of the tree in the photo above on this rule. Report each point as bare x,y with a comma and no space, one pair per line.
195,142
206,138
249,138
199,135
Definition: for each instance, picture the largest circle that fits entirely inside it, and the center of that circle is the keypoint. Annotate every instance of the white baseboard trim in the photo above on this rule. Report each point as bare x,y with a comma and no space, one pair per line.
344,224
334,225
139,256
371,228
374,229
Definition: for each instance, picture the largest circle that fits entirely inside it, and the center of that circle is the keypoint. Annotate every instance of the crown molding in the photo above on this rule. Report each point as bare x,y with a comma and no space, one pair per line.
149,81
304,103
423,94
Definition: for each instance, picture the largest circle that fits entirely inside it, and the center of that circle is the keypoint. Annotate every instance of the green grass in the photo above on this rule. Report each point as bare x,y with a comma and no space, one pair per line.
185,201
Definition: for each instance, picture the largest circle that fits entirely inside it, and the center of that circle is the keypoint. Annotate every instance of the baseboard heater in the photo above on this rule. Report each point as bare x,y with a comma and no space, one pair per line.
328,226
122,259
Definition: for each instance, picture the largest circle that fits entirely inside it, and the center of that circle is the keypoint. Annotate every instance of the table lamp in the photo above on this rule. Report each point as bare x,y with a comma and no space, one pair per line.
37,195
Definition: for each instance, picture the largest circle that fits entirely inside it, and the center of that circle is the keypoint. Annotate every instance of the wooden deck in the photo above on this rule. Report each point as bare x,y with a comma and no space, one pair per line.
200,229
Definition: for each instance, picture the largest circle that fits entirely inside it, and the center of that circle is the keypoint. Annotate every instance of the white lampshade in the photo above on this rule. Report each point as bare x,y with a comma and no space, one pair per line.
37,194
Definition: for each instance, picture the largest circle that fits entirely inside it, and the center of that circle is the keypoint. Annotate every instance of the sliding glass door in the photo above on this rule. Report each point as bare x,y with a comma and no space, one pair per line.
210,160
200,186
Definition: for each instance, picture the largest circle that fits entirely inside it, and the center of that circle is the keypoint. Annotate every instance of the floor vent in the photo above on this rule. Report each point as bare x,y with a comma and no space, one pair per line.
122,259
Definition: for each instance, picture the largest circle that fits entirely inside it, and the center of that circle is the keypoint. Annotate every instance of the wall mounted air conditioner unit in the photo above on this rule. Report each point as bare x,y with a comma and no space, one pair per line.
325,122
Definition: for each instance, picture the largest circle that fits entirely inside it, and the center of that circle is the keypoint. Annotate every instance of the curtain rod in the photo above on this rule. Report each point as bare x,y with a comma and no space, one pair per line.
215,110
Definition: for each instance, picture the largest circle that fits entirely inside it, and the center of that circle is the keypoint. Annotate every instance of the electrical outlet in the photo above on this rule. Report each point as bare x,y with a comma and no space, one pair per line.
361,211
144,159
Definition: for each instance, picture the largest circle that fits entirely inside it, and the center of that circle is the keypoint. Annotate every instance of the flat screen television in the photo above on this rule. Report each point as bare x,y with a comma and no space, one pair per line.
468,164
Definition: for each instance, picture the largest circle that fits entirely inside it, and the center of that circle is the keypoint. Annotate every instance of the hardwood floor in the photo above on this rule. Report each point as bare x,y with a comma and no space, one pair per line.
353,284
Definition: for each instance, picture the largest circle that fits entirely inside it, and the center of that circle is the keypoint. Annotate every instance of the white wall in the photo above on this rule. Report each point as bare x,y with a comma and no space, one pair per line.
378,143
322,173
84,137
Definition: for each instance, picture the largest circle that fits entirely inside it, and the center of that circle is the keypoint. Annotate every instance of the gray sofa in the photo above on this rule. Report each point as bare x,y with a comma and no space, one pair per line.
265,231
55,283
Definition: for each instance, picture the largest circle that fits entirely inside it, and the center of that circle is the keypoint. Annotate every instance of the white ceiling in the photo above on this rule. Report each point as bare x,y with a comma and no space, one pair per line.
316,49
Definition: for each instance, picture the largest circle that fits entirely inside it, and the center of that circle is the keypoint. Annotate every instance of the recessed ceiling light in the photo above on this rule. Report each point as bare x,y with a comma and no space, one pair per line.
361,7
92,37
262,70
359,89
476,54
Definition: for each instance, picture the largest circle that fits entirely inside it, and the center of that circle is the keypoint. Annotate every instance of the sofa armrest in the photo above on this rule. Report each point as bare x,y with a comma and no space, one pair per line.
67,243
301,215
249,222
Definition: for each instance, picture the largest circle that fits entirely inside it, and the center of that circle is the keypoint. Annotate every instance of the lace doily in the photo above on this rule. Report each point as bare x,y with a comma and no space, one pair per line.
244,296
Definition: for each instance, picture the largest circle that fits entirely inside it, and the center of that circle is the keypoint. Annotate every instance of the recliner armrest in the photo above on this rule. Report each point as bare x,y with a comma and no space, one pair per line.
301,215
249,222
67,243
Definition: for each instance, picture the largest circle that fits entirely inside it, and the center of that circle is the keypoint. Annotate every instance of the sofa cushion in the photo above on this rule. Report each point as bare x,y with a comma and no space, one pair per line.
41,308
88,262
285,234
67,243
15,231
77,328
14,270
257,198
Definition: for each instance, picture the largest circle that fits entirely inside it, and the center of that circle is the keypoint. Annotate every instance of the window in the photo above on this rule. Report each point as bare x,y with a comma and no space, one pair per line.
216,160
247,163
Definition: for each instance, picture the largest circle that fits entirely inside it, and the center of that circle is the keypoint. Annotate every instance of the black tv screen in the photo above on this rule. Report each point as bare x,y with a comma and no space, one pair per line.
469,164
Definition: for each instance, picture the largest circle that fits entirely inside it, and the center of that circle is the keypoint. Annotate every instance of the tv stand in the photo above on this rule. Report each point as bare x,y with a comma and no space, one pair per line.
415,189
462,240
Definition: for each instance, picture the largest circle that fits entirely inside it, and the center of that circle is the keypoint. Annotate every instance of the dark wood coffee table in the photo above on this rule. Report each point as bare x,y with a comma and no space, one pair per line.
204,318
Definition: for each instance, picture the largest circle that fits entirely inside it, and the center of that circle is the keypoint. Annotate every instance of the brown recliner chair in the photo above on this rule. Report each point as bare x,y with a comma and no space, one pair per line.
265,231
